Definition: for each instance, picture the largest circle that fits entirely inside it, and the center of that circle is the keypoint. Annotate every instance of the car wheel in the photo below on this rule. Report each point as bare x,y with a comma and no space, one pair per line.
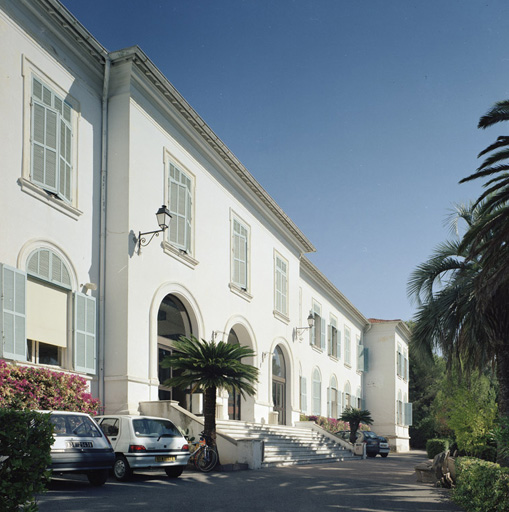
98,477
121,469
174,471
384,454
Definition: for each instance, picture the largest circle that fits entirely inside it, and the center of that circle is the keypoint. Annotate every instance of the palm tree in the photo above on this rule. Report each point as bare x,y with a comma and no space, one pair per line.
487,240
355,417
454,317
209,366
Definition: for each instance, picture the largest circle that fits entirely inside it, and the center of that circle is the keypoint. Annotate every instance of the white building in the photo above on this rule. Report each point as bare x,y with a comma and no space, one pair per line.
93,143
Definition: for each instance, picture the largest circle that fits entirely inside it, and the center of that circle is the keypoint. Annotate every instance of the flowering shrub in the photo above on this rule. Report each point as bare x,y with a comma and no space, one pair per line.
39,388
331,425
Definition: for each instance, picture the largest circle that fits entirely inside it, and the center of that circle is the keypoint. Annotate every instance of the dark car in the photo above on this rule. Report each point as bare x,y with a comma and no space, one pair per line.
375,445
80,446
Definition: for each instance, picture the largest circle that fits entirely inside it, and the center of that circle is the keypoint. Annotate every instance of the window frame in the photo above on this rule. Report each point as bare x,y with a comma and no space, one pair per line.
348,346
317,333
281,312
28,185
243,284
316,393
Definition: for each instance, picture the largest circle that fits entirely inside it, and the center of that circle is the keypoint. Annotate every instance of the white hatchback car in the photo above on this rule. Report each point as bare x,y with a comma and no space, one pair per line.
144,442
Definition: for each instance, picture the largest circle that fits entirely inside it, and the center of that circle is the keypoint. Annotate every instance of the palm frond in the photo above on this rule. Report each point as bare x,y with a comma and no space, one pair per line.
499,112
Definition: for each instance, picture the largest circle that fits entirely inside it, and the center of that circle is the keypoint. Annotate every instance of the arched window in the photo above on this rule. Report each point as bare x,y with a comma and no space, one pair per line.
333,399
317,393
172,323
53,325
348,395
233,396
46,265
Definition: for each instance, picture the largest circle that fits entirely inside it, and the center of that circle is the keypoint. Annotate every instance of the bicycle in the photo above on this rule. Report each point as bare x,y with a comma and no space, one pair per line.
204,457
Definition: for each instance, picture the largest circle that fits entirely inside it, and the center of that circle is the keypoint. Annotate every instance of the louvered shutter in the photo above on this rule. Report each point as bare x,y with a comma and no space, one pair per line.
303,395
360,358
328,402
84,333
323,334
12,313
330,336
338,344
408,414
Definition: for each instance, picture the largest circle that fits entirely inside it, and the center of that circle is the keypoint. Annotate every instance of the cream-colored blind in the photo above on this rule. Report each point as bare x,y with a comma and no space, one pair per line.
46,314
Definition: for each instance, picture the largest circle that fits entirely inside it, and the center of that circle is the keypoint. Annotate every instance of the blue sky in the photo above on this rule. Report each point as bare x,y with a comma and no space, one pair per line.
358,117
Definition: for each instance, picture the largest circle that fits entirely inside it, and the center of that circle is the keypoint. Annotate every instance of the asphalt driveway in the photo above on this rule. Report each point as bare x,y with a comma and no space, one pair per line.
381,485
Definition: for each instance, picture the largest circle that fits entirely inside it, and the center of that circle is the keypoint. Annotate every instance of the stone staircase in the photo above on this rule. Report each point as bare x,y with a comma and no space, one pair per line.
285,446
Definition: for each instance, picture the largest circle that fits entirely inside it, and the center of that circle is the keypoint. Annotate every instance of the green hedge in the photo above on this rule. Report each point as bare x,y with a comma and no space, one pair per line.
481,486
25,438
436,446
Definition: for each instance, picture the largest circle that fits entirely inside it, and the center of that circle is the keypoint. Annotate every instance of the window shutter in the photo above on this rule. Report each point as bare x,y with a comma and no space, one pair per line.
303,395
323,332
329,415
84,333
360,358
338,344
330,336
12,313
408,414
366,359
180,197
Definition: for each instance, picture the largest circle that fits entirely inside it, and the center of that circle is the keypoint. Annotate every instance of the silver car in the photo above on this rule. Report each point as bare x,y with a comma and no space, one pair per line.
145,442
80,446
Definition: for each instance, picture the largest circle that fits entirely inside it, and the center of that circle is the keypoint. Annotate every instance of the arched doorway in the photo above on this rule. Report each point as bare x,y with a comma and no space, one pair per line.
279,384
233,396
172,323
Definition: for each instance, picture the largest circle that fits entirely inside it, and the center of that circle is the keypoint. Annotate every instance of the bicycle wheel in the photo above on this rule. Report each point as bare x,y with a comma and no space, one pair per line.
206,460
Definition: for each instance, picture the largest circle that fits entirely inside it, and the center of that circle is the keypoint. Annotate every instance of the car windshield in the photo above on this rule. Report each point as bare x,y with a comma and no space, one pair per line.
371,435
69,425
149,427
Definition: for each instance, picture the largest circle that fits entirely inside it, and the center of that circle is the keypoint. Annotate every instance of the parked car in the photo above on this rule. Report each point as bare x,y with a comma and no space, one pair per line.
80,446
145,442
374,444
384,446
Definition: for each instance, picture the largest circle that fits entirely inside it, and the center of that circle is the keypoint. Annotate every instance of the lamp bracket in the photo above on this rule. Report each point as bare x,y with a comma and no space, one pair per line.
141,240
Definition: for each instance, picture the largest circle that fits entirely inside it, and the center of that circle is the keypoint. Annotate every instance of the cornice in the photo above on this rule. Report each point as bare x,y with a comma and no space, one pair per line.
70,26
320,278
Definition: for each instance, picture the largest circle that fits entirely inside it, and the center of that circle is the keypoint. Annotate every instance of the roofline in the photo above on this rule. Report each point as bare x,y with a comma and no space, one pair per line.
327,285
400,324
73,27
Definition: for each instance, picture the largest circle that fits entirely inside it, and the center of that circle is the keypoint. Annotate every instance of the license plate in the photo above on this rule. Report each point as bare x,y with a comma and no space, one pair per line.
79,444
160,458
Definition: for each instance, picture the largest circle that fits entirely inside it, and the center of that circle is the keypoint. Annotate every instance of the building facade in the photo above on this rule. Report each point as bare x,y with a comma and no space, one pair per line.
95,142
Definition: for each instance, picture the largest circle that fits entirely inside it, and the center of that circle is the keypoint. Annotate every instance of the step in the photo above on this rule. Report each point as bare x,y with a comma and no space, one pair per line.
285,445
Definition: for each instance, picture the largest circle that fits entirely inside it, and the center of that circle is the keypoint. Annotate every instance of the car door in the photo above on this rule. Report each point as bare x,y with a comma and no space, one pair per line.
111,428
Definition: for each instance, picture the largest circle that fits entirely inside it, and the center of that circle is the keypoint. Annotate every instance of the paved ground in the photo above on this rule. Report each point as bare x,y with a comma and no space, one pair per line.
381,485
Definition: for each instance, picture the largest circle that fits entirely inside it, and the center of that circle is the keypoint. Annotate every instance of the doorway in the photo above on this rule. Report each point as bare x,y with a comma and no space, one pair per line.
279,385
233,396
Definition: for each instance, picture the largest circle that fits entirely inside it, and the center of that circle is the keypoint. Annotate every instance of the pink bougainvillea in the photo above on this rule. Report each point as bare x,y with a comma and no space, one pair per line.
23,387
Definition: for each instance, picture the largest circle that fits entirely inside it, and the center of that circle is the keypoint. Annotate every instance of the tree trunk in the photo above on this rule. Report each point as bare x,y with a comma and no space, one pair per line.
503,395
209,413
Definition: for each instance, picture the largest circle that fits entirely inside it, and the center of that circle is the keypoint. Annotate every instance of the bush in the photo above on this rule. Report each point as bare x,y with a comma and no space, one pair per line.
436,446
24,387
331,425
481,486
26,438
